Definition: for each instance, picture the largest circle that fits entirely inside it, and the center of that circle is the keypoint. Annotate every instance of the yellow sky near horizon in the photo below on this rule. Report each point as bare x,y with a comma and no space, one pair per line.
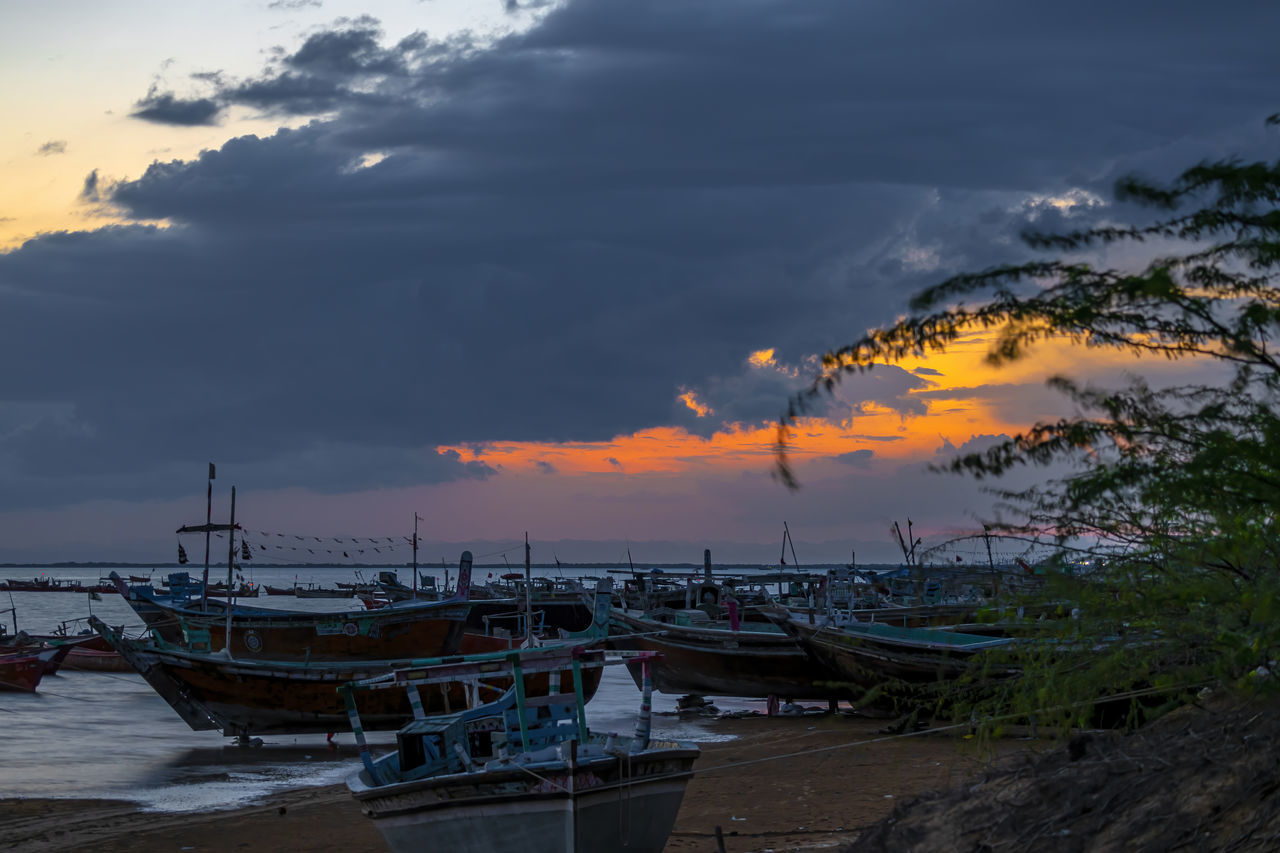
77,68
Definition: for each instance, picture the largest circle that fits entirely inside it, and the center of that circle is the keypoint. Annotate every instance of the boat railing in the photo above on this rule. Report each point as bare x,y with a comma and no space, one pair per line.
527,726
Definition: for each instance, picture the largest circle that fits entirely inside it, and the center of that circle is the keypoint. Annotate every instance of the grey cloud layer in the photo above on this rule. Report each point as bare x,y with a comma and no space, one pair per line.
568,226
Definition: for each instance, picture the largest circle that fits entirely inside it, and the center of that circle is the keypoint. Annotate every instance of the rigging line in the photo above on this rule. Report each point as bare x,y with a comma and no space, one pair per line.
1127,695
495,553
542,778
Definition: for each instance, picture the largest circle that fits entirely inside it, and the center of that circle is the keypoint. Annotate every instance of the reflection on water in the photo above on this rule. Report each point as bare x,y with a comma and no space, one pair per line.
108,735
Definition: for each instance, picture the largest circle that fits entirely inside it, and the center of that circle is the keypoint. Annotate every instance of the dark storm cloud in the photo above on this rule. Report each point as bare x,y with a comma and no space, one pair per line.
89,189
334,69
550,236
856,458
168,108
753,396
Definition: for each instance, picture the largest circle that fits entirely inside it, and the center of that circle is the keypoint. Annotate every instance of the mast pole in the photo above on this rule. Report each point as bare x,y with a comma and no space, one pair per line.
208,520
787,532
231,554
528,595
415,555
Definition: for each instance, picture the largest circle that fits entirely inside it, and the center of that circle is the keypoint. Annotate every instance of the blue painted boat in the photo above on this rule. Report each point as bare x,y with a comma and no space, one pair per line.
520,774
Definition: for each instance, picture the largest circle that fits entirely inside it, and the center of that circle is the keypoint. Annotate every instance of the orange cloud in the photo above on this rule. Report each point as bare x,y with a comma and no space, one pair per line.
966,397
698,408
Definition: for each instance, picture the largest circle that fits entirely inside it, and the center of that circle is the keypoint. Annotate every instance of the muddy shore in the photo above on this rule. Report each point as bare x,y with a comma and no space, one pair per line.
815,794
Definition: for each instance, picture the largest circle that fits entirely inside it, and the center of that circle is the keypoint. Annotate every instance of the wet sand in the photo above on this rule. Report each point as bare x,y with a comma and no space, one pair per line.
809,801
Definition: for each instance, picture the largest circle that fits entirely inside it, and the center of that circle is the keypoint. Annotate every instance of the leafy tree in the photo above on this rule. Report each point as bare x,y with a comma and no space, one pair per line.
1171,494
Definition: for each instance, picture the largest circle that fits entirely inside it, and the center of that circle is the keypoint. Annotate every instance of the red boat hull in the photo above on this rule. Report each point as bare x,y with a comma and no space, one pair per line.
23,670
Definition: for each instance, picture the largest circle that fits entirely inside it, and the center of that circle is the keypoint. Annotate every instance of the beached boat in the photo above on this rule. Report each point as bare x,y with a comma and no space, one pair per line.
891,660
520,774
710,658
415,629
243,695
22,670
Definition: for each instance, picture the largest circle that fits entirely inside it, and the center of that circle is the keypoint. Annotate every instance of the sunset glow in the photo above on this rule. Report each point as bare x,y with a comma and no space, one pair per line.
525,265
962,396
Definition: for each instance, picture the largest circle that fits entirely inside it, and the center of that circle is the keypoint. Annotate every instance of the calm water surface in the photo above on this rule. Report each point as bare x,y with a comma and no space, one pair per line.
108,735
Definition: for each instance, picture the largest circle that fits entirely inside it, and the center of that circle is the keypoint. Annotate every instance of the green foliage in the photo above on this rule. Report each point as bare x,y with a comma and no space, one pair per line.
1171,494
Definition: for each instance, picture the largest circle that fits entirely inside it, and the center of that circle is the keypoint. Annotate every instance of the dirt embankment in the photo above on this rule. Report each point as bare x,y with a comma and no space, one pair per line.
1202,778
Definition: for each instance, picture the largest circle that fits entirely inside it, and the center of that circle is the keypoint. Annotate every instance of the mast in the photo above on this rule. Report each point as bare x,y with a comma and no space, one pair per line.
208,521
528,595
231,556
415,555
787,540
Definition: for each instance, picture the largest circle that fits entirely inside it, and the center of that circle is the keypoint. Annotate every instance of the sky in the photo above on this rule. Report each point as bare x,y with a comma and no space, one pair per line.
551,267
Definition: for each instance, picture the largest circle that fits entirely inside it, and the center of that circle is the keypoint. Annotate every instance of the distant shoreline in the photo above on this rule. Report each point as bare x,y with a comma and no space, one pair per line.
97,564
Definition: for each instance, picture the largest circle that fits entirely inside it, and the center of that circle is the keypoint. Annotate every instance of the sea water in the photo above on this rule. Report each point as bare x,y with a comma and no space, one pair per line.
109,735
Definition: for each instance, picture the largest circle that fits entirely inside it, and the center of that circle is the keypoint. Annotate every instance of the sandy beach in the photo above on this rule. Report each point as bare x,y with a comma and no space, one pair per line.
816,793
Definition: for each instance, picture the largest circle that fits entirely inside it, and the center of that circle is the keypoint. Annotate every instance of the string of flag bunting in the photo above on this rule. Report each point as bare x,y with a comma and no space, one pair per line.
267,546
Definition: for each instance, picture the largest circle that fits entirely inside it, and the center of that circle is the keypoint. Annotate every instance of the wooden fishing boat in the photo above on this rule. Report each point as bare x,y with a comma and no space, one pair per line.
312,591
22,670
411,630
557,605
155,605
244,696
520,774
93,654
869,656
24,643
38,585
708,658
244,590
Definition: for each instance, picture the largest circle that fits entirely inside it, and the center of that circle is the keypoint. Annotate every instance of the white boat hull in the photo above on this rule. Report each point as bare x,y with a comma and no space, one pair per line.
506,813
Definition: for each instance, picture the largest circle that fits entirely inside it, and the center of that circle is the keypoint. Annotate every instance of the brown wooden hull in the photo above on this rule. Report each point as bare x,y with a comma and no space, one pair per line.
711,662
246,697
400,632
94,660
894,676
